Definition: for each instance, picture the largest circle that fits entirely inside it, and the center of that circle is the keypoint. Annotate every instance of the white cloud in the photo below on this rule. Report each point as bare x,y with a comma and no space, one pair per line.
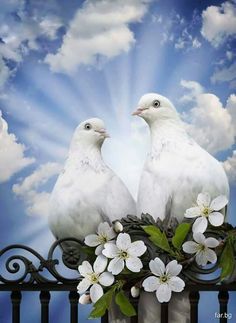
186,40
4,73
157,19
49,26
184,32
218,23
230,167
12,153
36,201
196,43
98,28
231,108
194,89
19,37
208,122
19,32
229,55
180,43
225,74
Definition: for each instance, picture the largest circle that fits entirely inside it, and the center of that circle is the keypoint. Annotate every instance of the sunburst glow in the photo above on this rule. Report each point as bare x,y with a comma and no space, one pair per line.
164,45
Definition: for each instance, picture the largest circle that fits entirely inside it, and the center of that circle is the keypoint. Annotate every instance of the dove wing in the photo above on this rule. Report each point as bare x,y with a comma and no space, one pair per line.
118,202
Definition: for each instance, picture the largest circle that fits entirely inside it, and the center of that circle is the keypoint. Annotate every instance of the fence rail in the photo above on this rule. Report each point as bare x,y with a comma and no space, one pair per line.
22,274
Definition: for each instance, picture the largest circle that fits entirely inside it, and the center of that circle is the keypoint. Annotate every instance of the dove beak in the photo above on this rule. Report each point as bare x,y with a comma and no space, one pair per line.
138,111
103,133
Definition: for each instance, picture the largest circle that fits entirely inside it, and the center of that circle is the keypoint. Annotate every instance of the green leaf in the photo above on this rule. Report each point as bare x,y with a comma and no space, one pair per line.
157,237
227,260
124,304
180,235
100,307
88,250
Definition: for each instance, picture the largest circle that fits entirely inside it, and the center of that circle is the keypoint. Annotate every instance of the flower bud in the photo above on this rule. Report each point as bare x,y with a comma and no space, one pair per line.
85,299
118,227
135,291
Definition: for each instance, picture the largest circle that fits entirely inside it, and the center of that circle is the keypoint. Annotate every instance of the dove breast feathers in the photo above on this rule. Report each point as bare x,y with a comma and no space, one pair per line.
173,177
84,197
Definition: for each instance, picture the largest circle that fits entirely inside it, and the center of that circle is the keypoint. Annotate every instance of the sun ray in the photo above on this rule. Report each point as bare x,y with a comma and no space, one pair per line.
63,99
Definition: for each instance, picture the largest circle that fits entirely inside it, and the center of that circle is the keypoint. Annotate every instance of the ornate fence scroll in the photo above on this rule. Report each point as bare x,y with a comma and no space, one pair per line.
24,269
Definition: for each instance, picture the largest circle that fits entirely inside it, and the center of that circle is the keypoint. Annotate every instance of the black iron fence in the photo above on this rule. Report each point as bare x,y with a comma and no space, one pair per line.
26,270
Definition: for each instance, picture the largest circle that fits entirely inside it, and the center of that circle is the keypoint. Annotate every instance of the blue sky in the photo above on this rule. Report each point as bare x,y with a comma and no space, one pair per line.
62,62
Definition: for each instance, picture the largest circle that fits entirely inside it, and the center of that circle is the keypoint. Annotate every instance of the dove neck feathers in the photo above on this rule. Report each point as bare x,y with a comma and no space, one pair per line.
166,135
86,156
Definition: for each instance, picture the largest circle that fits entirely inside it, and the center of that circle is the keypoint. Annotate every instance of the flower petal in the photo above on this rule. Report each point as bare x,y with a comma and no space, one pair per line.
211,256
96,292
99,249
163,293
134,264
201,258
100,264
173,268
190,247
83,285
91,240
193,212
106,279
103,228
199,238
211,242
116,266
203,199
110,250
176,284
123,241
219,203
137,248
111,234
157,266
151,284
200,224
118,227
85,269
85,299
216,219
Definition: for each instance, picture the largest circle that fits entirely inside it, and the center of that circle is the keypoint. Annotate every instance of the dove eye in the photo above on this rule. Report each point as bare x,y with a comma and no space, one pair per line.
87,126
156,103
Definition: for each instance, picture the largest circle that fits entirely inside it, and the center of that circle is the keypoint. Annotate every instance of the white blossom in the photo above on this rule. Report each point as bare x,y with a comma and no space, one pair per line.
207,210
201,247
85,299
124,252
96,276
165,280
135,291
118,227
104,234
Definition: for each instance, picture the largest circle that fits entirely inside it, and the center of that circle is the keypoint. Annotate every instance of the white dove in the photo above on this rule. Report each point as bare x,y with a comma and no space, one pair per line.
87,192
176,170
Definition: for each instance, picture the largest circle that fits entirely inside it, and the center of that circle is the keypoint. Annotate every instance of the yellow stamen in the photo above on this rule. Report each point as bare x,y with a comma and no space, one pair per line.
164,278
103,239
94,278
123,254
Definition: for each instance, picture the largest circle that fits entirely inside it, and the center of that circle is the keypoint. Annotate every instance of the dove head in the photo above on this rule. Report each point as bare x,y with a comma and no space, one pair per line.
153,107
89,133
